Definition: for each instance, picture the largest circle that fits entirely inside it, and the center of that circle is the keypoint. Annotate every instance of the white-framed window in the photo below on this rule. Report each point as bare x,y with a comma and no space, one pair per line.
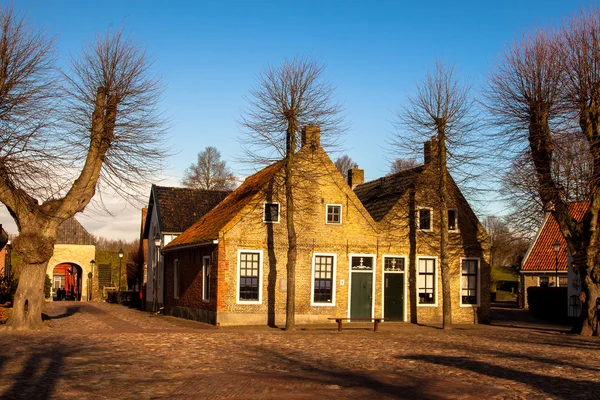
469,282
250,276
424,219
176,278
452,220
206,278
323,279
427,281
333,214
271,213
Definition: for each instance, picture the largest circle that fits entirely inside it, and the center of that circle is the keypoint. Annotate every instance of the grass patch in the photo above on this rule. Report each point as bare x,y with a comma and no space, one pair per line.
504,274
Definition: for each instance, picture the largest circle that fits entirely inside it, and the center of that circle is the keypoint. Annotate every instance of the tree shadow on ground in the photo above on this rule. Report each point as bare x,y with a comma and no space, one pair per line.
485,351
69,312
39,375
554,386
330,374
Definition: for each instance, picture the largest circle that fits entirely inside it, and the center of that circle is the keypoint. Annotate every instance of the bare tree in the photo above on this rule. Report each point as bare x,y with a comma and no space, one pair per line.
209,172
571,169
402,164
344,164
107,112
545,85
443,110
286,99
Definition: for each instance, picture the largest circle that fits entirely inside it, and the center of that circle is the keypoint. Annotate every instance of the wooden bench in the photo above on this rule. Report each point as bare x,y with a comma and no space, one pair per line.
376,321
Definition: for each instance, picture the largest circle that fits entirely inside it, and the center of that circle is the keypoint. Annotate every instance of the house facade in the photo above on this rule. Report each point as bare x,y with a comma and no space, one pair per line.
353,258
170,211
547,261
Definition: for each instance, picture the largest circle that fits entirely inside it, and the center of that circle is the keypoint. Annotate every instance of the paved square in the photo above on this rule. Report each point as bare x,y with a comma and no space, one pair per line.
100,351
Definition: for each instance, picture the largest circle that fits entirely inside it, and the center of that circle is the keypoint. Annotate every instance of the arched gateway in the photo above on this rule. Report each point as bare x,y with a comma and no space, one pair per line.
69,267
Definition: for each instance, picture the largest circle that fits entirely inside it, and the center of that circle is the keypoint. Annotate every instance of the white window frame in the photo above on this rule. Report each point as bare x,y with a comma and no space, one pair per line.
478,304
205,274
264,209
430,219
383,272
327,213
455,219
260,276
333,281
374,277
176,278
435,281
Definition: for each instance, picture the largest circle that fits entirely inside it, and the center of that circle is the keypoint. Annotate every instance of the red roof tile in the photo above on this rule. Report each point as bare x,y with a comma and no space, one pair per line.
541,256
207,228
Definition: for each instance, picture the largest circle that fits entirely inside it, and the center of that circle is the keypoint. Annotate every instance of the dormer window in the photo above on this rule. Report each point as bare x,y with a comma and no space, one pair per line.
334,214
271,214
425,219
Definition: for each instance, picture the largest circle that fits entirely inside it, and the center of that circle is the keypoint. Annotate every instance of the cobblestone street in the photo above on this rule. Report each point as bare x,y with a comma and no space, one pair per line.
99,350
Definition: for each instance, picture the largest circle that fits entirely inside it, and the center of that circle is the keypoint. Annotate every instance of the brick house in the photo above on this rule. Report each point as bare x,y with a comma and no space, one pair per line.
407,214
542,265
170,211
229,267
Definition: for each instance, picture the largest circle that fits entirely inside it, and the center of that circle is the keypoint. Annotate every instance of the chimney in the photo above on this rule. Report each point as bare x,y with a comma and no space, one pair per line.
311,135
356,176
427,152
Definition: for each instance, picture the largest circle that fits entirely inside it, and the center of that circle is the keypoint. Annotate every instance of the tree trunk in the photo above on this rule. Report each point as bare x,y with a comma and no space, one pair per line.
589,272
36,250
412,257
290,309
444,262
29,298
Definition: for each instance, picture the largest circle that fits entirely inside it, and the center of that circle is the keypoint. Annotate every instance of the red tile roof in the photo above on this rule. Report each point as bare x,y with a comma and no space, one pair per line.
541,256
208,227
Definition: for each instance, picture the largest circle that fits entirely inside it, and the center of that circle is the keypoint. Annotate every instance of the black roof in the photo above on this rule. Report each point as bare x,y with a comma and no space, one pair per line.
72,232
380,195
178,208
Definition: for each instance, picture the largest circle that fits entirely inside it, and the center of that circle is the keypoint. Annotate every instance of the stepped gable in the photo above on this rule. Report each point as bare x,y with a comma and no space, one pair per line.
209,226
72,232
179,208
380,195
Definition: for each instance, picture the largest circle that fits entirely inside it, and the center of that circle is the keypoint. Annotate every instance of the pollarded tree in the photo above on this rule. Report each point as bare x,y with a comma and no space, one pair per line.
286,99
103,131
441,110
344,164
209,172
571,169
544,86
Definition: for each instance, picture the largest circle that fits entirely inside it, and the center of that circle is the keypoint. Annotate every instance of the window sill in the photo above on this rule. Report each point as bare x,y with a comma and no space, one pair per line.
248,302
333,223
470,305
427,305
322,304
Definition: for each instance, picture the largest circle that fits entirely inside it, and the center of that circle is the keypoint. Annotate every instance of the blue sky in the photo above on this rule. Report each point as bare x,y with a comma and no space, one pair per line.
210,52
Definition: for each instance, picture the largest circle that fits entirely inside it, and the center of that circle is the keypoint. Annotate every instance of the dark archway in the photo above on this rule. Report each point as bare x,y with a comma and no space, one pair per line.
68,277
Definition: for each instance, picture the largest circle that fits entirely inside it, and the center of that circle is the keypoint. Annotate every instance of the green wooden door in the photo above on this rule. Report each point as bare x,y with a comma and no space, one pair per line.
361,295
393,296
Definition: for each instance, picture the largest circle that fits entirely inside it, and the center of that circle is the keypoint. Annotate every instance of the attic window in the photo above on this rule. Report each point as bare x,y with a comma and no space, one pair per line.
452,223
334,214
425,219
271,213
